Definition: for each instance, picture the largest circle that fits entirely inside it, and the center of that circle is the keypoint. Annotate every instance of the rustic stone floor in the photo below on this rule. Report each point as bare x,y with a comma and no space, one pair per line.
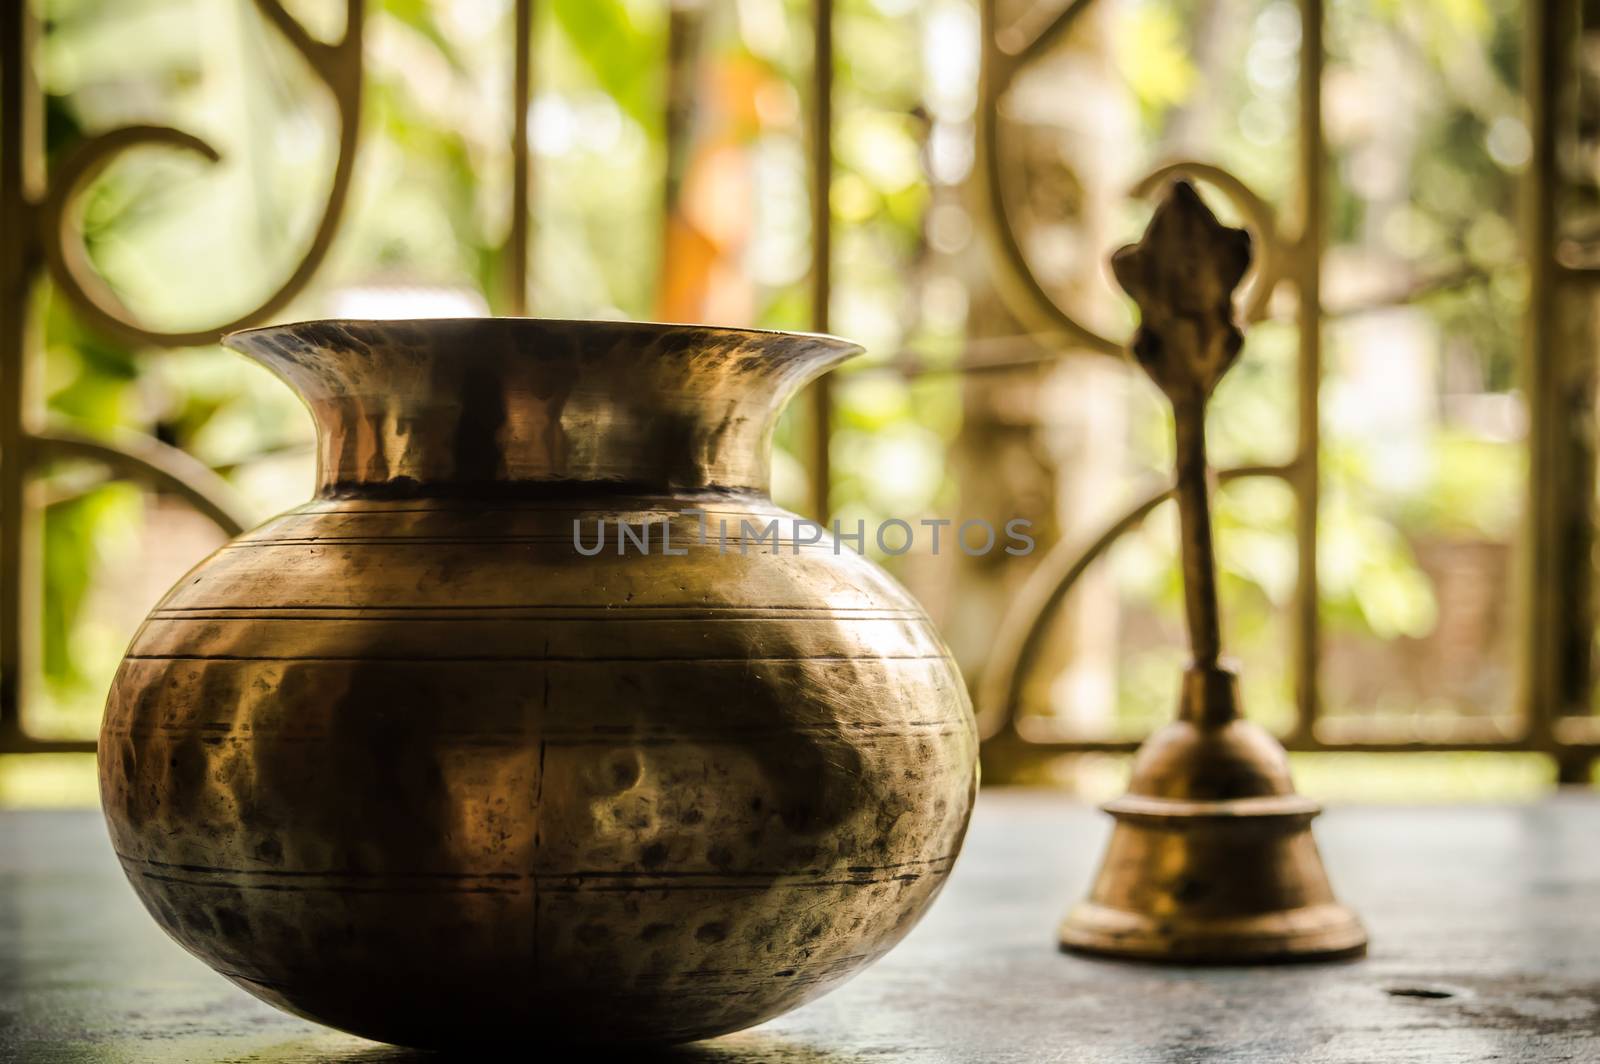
1485,924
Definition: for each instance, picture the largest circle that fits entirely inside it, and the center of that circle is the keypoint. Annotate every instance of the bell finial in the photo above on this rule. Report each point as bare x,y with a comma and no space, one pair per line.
1182,274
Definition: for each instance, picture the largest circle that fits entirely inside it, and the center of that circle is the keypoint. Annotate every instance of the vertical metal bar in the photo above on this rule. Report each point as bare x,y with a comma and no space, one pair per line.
517,269
821,244
683,50
1557,628
18,267
1306,480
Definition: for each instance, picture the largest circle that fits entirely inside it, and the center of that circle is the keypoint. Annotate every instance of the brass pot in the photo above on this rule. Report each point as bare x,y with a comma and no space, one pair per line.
405,761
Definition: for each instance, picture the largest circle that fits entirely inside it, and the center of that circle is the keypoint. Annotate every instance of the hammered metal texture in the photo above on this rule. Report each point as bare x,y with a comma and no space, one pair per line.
404,762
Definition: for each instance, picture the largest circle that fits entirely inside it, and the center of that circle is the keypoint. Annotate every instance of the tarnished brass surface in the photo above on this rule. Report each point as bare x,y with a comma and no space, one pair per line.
404,762
1212,858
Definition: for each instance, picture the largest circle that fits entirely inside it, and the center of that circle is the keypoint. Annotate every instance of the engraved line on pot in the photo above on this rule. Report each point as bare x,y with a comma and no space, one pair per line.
726,531
708,873
492,742
539,883
583,886
599,611
195,614
536,659
225,728
760,506
573,743
288,888
730,541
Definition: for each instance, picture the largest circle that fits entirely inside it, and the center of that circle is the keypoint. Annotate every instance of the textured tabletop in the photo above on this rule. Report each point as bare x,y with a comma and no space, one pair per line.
1485,929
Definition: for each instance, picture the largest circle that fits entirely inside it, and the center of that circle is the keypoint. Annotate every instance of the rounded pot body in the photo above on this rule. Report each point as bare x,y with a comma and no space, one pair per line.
418,761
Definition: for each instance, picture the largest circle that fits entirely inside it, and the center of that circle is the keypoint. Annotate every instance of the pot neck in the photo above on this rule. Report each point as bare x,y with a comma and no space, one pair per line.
522,405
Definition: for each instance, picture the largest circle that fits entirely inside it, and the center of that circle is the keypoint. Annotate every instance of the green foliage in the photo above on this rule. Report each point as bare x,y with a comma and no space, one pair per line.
1154,57
184,242
1425,136
81,535
622,57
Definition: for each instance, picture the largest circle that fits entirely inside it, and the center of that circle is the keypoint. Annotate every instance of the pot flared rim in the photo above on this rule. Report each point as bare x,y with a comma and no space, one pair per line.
452,401
826,341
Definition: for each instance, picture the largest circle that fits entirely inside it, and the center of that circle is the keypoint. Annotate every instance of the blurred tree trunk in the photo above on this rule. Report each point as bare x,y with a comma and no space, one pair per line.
1046,443
710,115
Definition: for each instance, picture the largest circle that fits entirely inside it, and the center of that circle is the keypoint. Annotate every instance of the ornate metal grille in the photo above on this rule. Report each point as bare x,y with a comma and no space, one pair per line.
38,240
1554,586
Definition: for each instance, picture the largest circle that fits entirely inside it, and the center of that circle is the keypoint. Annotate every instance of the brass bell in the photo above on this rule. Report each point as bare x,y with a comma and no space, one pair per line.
1212,858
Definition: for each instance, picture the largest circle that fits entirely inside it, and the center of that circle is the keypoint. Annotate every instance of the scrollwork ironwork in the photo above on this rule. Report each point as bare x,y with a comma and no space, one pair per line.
42,236
1019,640
137,456
337,65
1006,49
